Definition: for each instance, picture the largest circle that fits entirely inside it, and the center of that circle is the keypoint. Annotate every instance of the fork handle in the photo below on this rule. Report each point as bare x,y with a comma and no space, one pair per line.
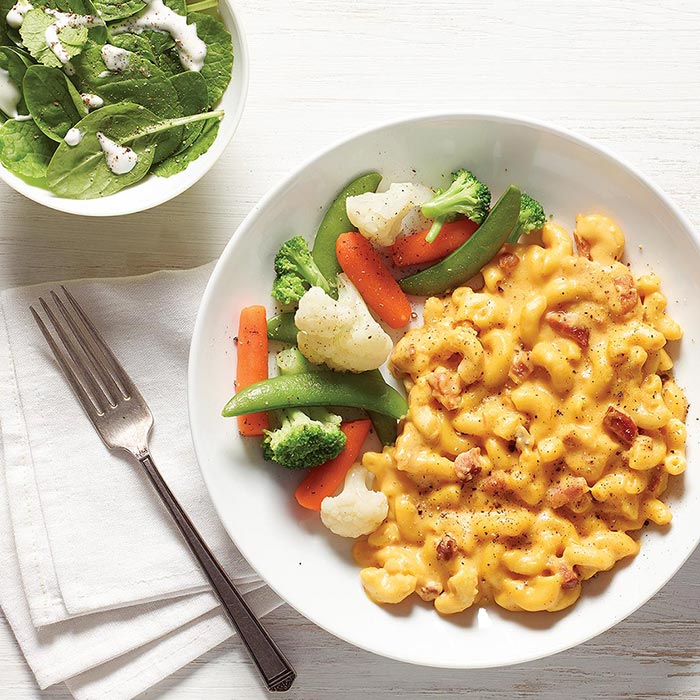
276,671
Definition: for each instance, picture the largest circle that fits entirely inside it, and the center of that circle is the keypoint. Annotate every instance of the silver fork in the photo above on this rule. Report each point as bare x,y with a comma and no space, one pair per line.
123,421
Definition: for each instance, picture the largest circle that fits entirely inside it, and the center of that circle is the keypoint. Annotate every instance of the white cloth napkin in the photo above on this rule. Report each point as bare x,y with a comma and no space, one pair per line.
99,588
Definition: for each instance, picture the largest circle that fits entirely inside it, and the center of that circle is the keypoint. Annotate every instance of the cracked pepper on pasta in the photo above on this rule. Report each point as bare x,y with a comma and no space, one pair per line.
543,427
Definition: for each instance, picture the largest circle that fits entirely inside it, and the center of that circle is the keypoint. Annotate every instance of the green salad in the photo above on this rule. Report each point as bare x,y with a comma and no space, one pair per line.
96,94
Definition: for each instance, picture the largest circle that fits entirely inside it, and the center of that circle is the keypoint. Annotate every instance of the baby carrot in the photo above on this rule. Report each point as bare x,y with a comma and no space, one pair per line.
335,222
415,250
366,270
324,480
252,363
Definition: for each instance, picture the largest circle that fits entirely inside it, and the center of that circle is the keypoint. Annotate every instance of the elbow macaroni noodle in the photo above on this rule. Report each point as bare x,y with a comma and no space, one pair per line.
543,427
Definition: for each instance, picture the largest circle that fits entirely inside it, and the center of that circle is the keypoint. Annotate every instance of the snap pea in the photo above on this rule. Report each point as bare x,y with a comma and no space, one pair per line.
335,222
318,389
282,328
384,426
470,257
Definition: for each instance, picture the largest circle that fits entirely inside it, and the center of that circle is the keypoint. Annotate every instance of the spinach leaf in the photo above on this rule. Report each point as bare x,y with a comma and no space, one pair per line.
24,55
179,6
12,62
81,171
53,102
160,41
136,44
25,151
6,32
33,33
14,37
202,5
163,47
177,163
157,47
130,83
140,82
193,97
219,60
78,7
169,62
118,9
72,38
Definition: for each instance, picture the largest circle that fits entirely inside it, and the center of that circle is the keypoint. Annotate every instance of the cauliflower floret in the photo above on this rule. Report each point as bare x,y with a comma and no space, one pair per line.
378,215
356,510
340,333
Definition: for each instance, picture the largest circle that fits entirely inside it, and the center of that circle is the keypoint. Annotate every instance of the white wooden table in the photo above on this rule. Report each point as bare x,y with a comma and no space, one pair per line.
624,73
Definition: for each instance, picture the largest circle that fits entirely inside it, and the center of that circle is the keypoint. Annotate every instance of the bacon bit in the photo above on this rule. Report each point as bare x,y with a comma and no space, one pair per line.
446,548
468,464
570,439
583,247
561,323
508,262
569,579
655,480
521,368
620,425
629,296
565,492
447,388
430,591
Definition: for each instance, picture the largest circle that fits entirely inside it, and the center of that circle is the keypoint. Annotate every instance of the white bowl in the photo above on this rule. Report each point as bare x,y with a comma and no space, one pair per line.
153,190
312,569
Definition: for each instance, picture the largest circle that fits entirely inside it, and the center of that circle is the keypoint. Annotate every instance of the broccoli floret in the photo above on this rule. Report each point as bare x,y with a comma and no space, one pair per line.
305,438
296,272
531,217
288,288
466,195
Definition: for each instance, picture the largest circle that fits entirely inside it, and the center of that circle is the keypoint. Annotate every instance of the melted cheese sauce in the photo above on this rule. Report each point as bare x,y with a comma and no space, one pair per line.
543,427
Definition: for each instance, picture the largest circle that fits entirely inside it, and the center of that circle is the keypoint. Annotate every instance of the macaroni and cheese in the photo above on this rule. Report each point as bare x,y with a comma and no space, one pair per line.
544,425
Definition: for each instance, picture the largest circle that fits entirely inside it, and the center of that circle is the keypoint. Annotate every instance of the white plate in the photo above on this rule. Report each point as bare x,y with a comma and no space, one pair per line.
306,565
153,190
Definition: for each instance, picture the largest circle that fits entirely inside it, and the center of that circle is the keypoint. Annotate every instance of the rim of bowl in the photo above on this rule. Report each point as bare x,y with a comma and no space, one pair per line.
197,344
72,206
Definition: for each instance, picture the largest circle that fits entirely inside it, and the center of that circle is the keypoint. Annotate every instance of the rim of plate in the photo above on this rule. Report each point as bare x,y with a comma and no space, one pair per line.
72,206
197,344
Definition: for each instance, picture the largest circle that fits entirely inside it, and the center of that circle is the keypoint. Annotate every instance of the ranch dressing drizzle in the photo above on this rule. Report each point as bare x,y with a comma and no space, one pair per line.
120,159
160,18
73,137
116,59
9,95
15,16
63,20
91,101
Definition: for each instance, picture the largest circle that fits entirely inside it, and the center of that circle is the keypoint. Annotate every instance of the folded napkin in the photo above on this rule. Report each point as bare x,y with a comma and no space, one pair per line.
98,586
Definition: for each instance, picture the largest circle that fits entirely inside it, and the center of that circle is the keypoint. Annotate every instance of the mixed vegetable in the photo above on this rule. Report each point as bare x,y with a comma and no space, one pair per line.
96,94
307,414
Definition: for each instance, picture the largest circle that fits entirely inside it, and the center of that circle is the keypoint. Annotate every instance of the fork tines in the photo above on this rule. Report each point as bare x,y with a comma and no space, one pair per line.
94,373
